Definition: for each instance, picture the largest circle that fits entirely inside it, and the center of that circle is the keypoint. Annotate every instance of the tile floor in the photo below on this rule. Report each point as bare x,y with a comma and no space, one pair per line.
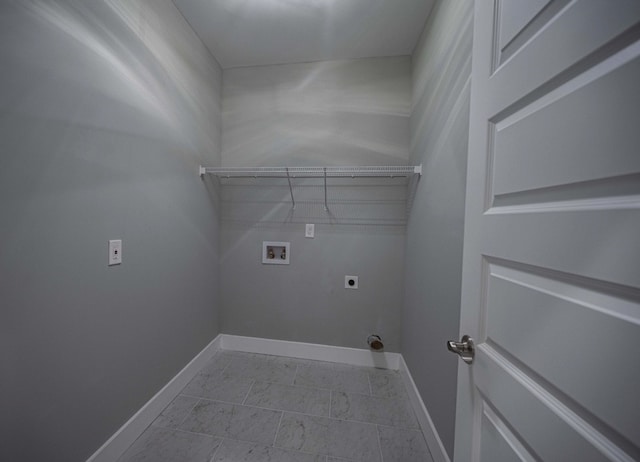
254,408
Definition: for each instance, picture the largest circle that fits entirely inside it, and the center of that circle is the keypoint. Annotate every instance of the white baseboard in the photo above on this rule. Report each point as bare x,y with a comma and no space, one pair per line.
438,452
352,356
133,428
129,432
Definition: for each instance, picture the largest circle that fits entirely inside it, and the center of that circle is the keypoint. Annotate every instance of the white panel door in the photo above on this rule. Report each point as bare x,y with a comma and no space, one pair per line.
551,278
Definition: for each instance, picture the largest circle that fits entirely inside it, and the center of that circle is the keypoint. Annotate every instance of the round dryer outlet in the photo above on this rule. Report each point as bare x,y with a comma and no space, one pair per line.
351,282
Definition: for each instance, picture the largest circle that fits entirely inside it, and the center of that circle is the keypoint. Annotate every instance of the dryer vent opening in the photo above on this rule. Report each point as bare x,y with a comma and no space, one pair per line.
375,342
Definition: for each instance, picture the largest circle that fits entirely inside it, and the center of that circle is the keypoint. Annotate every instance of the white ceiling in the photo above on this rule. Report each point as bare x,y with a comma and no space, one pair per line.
259,32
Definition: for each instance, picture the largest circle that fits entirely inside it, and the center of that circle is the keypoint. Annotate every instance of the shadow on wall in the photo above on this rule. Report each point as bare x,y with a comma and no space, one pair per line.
136,73
352,112
361,202
104,120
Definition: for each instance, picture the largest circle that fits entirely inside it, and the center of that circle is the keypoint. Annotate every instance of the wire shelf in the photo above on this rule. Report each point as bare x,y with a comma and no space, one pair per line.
289,173
391,171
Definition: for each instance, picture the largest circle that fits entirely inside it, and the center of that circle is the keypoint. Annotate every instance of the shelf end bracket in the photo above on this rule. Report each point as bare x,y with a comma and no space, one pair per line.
293,202
326,207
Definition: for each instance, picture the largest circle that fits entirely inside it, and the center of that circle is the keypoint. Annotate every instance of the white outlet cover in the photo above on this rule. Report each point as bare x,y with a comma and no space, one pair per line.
309,230
115,252
351,282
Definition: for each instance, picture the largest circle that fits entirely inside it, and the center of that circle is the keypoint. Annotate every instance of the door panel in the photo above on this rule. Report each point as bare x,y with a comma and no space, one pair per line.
498,442
545,144
541,421
519,21
595,244
559,330
515,15
561,46
551,266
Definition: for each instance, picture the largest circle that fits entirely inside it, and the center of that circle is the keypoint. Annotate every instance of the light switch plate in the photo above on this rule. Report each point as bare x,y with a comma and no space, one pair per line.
115,252
309,230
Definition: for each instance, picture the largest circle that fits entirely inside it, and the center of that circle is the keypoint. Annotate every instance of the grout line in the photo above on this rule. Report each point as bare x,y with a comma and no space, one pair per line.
397,427
379,444
277,429
233,404
248,392
308,387
189,413
261,408
186,395
310,415
297,451
213,456
192,433
282,411
333,418
224,369
240,440
235,359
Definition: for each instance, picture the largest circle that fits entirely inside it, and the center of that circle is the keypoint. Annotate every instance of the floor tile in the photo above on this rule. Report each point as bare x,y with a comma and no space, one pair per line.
222,387
252,407
333,376
263,368
215,366
175,413
238,451
158,444
312,401
336,438
402,445
229,354
218,363
396,412
386,383
210,382
233,421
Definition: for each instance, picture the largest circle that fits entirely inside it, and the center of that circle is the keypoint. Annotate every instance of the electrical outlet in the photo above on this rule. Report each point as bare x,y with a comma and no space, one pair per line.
309,230
351,282
115,252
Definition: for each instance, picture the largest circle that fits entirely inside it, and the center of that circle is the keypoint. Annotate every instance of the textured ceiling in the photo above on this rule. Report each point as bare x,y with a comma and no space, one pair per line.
260,32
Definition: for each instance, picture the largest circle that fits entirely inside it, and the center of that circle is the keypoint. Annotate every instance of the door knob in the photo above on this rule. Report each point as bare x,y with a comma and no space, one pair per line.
465,349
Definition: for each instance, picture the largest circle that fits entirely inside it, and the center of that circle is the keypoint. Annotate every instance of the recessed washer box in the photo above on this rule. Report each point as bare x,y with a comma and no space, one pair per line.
275,253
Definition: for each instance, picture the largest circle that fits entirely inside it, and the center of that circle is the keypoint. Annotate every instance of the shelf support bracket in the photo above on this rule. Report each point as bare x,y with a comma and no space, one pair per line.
293,202
326,207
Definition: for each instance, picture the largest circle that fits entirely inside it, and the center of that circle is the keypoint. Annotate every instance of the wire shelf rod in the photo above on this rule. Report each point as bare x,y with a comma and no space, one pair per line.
389,171
313,172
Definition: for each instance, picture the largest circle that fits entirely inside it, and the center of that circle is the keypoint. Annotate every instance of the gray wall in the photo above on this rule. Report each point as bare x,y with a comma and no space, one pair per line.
329,113
106,110
439,135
